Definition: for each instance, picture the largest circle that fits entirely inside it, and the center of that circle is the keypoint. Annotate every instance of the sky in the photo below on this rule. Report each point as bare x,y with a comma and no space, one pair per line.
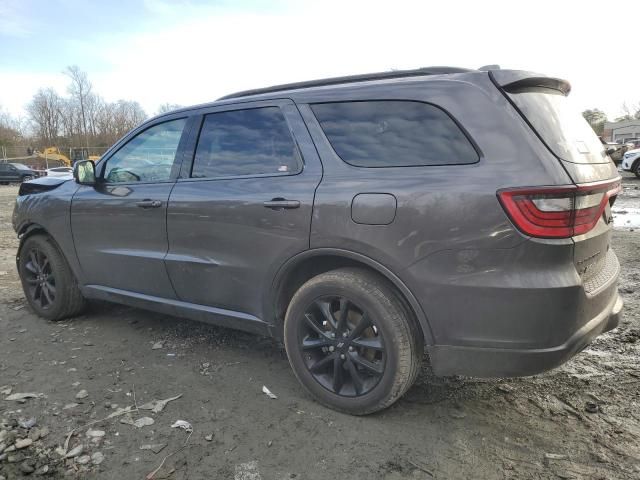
192,51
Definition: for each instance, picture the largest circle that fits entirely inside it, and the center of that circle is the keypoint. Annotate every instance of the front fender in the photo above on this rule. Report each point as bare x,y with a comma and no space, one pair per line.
49,212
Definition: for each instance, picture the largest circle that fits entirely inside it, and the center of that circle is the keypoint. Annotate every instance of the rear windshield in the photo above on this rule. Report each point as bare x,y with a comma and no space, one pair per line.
562,128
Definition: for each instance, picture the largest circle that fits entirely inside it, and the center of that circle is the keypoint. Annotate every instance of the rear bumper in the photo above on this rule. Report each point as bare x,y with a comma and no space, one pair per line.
498,362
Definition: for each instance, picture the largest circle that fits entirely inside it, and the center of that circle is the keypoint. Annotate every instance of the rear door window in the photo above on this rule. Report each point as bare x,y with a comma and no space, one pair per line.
240,143
385,133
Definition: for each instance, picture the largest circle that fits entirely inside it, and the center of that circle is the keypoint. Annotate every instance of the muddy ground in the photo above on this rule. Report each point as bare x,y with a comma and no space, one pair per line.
580,421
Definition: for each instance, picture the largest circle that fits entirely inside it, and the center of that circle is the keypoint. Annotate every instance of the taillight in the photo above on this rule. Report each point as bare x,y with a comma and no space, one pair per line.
557,212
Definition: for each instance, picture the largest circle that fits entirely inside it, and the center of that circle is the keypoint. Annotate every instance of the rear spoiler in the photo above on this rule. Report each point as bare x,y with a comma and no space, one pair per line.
515,81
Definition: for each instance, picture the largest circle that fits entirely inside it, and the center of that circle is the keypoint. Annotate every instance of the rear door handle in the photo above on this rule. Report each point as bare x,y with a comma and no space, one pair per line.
149,203
281,203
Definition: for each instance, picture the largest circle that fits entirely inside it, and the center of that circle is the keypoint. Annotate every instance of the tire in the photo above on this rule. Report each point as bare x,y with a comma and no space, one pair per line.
26,178
358,362
47,281
636,168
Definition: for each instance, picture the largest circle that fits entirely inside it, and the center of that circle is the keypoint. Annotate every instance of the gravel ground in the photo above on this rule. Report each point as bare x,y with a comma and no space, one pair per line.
579,421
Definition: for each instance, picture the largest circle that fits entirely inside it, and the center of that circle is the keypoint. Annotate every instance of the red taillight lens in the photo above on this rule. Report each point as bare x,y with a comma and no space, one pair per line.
557,212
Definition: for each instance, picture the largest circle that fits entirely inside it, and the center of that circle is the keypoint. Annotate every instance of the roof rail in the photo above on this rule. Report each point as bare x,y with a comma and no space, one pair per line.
365,77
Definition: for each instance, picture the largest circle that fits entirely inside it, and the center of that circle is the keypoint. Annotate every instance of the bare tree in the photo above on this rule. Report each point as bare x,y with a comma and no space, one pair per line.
83,118
80,91
11,130
167,107
128,115
596,118
45,112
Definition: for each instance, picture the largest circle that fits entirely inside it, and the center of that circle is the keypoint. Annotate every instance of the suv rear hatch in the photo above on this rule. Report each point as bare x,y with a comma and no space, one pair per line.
581,211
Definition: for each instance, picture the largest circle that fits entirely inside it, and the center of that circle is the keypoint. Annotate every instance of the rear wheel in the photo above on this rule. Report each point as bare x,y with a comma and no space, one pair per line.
636,168
26,178
350,341
47,280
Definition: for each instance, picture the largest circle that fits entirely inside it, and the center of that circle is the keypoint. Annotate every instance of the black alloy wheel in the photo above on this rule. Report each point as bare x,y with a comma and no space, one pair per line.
343,348
351,342
40,280
47,281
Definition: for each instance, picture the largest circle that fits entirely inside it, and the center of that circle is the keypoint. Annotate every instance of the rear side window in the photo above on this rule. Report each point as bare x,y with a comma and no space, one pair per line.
393,134
245,142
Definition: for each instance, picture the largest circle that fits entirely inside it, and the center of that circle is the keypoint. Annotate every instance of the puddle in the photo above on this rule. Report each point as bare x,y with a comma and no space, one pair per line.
626,210
626,216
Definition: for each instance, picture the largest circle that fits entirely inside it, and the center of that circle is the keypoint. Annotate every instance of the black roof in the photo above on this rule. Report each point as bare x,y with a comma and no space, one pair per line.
365,77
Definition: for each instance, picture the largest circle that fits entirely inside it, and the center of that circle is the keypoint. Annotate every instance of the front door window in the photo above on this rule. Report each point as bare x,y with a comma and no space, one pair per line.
148,157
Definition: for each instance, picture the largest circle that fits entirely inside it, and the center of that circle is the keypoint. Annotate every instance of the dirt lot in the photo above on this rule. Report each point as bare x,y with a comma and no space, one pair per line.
579,421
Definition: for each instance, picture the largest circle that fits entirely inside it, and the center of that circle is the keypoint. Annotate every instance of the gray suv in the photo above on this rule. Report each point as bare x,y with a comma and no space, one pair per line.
363,220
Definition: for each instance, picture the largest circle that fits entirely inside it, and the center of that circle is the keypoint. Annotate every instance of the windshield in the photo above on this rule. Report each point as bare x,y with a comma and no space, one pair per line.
562,128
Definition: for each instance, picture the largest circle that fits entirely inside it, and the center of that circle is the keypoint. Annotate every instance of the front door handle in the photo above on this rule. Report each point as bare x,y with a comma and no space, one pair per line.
149,203
281,203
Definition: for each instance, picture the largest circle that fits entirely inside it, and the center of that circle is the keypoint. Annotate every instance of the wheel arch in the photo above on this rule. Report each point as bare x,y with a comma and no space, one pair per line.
306,265
28,230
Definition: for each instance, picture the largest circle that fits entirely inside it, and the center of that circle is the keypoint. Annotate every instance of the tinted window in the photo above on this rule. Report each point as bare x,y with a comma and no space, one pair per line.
148,157
393,134
562,128
245,142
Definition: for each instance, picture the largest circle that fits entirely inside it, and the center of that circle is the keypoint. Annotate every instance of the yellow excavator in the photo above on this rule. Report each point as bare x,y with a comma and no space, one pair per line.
53,154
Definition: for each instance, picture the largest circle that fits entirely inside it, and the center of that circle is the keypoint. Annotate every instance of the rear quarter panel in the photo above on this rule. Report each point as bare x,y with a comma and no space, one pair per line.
448,210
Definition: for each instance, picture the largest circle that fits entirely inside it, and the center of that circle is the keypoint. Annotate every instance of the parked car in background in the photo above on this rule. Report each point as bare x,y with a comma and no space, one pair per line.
15,173
614,150
360,219
59,172
631,161
633,144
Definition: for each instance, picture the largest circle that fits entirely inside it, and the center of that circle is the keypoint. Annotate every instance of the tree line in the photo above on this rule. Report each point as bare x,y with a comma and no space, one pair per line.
82,118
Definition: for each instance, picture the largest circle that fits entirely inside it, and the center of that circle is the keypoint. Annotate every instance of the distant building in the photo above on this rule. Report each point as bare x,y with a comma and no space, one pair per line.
622,131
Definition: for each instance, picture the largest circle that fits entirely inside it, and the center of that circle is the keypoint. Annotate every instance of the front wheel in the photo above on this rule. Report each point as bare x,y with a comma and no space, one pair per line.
26,178
47,280
636,170
350,341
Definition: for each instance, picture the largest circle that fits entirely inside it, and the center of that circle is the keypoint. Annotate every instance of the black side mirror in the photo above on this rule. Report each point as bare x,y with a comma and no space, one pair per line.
84,172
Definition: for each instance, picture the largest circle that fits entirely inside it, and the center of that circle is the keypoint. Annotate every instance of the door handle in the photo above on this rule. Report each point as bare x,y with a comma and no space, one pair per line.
281,204
149,203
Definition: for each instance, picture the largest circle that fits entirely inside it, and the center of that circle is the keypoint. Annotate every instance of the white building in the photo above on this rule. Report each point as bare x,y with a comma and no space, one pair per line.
622,131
